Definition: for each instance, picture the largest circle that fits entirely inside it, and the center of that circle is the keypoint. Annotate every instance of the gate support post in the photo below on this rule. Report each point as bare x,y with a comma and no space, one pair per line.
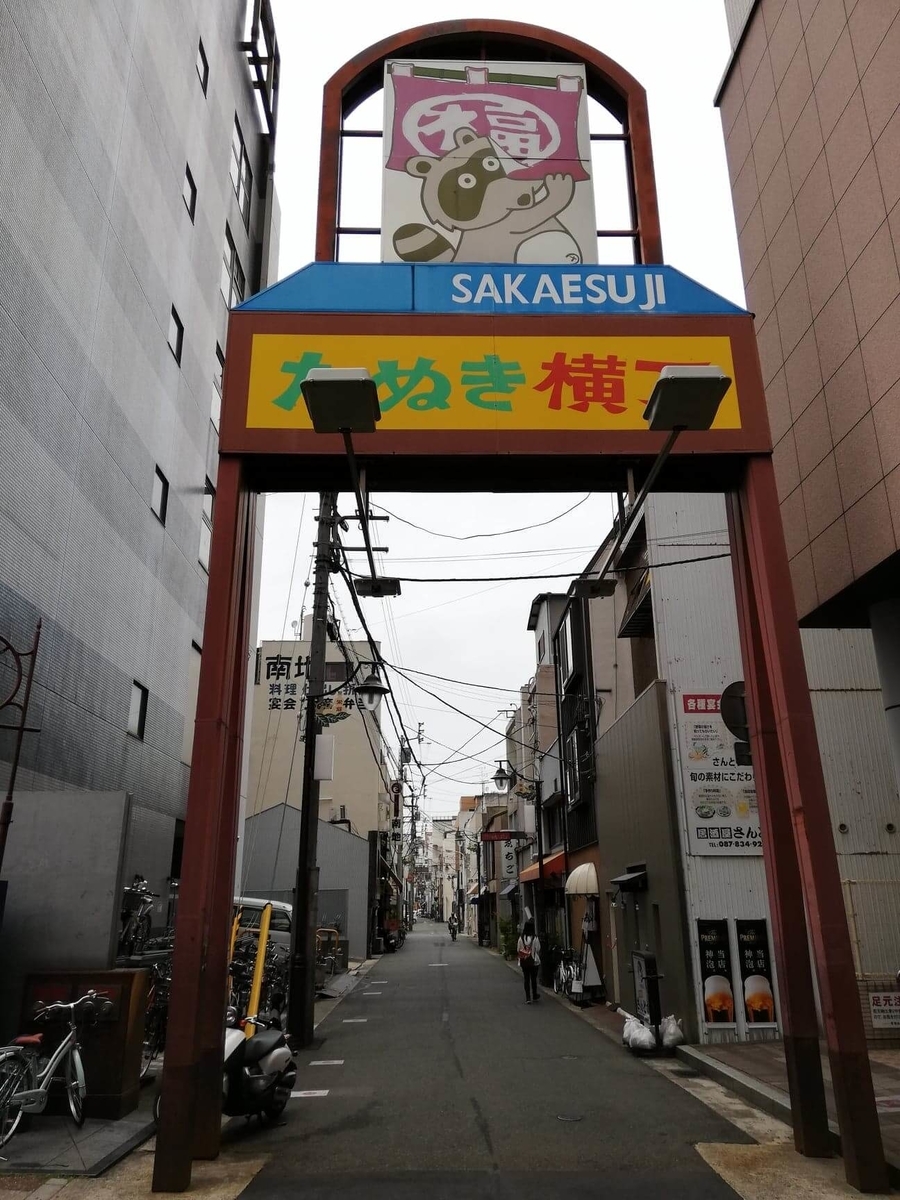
778,662
799,1023
190,1112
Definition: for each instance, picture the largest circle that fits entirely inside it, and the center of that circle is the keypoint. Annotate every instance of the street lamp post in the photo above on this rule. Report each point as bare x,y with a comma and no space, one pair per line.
506,777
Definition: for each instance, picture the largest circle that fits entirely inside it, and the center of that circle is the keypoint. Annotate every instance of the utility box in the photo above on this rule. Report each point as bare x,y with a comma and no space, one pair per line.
110,1046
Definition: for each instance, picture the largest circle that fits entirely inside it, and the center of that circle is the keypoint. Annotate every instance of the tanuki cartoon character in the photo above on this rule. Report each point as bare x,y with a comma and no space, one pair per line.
500,218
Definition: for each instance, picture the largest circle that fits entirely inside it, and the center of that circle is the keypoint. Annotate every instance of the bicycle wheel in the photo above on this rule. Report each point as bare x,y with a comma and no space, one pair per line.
141,935
13,1078
153,1041
75,1086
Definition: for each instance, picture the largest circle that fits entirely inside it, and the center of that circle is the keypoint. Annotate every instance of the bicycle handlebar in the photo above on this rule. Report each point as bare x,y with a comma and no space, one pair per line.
57,1004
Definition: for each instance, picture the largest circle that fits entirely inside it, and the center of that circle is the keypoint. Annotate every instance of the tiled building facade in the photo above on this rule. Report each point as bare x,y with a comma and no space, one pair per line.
136,204
810,108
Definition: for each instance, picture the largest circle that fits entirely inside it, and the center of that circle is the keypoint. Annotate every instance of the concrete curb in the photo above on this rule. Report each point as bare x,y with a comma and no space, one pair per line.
762,1095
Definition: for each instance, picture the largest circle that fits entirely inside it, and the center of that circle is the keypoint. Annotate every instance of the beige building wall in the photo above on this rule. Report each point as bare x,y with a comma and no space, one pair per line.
811,113
357,792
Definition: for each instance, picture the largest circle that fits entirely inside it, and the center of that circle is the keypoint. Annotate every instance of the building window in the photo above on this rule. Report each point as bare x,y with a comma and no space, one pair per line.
202,66
189,192
176,334
564,650
209,502
241,175
542,646
215,412
137,711
160,499
232,285
573,788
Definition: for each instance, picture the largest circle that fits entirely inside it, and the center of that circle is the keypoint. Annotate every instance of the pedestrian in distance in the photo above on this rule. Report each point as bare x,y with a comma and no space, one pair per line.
528,950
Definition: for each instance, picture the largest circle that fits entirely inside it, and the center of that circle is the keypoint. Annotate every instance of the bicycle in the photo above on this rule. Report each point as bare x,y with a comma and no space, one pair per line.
156,1017
25,1076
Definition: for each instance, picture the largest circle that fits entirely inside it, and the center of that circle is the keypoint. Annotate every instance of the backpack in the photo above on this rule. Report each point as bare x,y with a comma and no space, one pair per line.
525,953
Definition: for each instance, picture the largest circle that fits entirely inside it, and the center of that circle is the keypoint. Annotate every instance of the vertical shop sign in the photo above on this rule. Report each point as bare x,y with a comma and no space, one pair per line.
509,869
487,162
756,972
719,796
715,972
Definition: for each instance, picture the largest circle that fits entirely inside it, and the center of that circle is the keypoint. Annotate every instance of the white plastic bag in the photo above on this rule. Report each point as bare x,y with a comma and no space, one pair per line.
631,1024
670,1032
642,1039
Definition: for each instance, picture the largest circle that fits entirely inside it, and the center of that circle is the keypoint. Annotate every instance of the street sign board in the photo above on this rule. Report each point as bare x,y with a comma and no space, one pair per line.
505,835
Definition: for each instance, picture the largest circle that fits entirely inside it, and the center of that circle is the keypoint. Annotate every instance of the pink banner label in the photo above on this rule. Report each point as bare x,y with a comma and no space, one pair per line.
534,128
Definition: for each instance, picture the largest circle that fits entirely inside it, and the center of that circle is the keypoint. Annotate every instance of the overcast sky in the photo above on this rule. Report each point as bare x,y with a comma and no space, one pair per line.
469,631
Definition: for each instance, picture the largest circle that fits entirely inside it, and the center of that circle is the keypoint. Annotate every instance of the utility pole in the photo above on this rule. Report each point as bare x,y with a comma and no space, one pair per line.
302,993
546,977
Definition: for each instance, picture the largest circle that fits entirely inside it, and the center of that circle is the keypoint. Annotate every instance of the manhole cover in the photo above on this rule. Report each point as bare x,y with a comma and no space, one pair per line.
562,1117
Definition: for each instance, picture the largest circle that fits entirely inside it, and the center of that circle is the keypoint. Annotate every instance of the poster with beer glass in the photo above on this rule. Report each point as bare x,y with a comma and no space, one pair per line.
715,972
756,972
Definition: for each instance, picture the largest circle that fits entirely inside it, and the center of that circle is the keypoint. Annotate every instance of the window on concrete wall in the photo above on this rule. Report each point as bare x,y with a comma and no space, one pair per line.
190,708
137,711
202,66
176,334
189,192
159,500
241,175
215,410
335,672
209,501
232,283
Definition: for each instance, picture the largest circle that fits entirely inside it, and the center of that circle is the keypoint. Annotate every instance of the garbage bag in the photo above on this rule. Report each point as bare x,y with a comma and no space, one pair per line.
642,1039
670,1032
631,1024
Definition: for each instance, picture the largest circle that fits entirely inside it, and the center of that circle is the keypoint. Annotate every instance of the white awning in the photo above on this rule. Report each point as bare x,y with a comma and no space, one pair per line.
583,881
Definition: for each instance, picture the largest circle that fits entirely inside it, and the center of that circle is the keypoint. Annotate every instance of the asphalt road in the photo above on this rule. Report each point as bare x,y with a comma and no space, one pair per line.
448,1085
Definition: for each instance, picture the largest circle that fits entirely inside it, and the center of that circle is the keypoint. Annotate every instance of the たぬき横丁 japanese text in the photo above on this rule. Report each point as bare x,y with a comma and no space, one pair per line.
483,382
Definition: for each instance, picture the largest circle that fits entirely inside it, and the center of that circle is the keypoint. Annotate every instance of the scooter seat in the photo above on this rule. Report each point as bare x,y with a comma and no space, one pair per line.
29,1039
263,1042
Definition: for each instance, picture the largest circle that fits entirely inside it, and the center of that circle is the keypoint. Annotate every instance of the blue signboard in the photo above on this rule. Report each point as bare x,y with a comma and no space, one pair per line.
489,288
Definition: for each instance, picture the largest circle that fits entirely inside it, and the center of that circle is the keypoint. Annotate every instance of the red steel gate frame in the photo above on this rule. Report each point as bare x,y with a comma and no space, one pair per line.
800,860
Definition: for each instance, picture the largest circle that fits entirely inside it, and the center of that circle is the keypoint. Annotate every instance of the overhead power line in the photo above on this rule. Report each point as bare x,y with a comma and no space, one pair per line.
677,562
468,537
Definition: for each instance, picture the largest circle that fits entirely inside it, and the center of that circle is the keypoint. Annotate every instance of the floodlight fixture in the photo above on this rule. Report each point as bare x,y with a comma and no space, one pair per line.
686,398
341,399
377,587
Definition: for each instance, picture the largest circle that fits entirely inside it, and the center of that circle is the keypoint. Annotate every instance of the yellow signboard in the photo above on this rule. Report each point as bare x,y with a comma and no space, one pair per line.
435,383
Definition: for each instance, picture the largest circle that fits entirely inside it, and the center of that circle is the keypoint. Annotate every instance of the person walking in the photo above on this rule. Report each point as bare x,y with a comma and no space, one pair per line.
528,950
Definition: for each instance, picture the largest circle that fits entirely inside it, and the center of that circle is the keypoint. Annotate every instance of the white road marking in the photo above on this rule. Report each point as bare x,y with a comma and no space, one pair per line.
437,964
371,993
355,1020
307,1095
327,1062
445,1016
377,981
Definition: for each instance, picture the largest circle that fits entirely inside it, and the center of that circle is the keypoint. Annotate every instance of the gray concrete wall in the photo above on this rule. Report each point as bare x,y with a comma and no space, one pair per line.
636,823
102,111
64,862
271,839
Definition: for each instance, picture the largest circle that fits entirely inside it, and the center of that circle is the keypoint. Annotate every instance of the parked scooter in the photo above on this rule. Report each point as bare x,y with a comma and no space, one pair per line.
258,1072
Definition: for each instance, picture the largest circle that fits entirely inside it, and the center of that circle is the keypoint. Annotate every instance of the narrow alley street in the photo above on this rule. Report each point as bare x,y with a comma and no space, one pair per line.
434,1078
